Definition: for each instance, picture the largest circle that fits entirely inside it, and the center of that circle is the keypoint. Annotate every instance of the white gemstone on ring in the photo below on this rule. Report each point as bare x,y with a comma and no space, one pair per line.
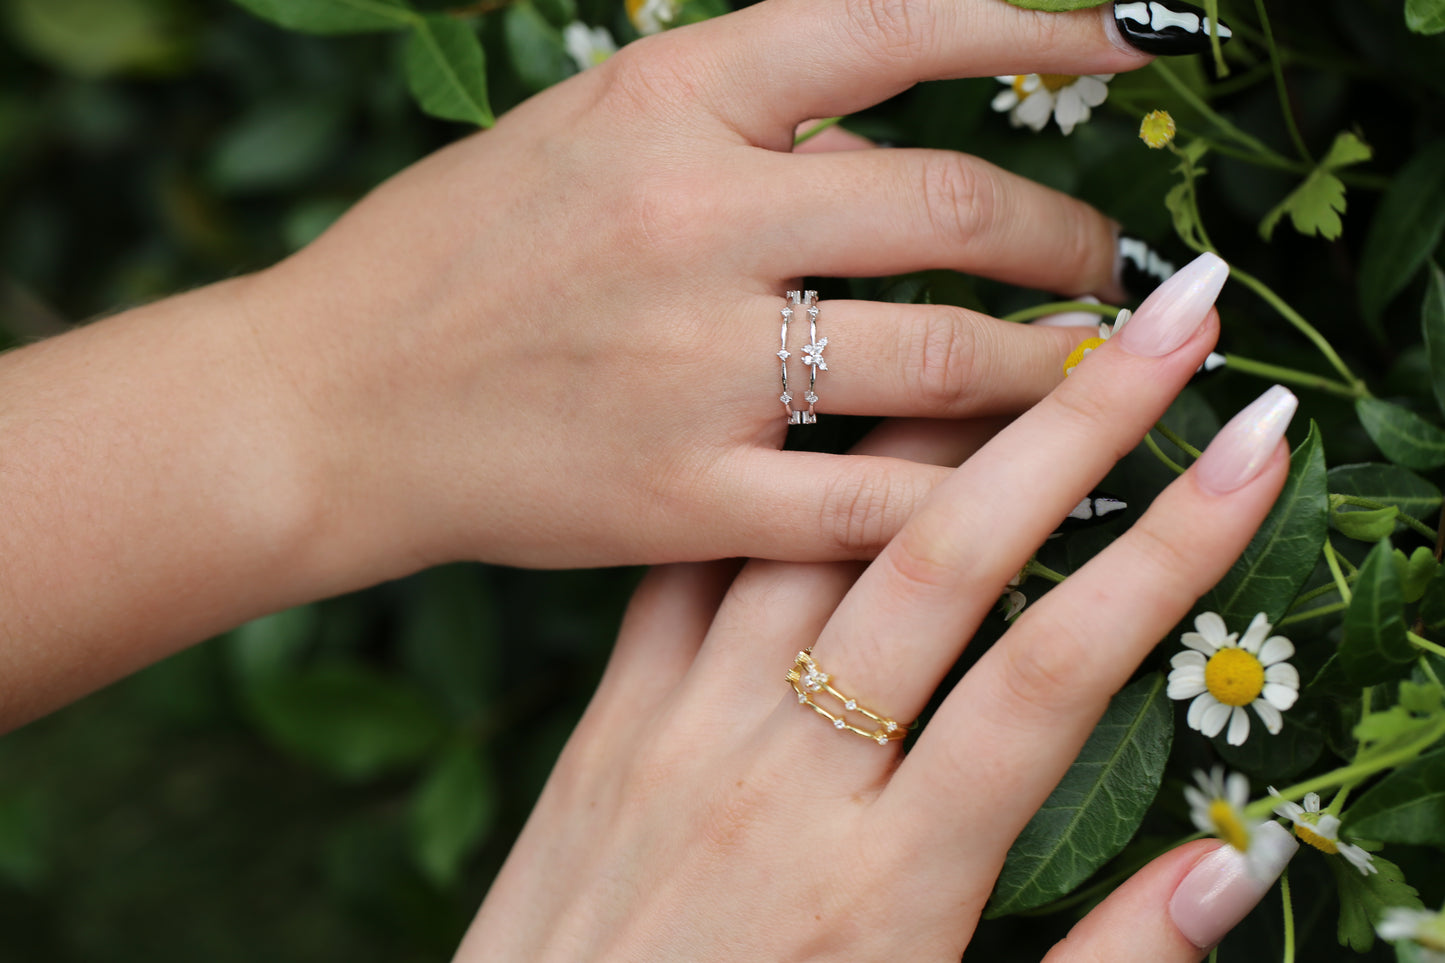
891,726
850,705
839,724
882,738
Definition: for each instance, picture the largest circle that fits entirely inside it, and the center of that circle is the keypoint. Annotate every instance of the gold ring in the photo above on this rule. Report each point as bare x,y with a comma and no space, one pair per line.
808,681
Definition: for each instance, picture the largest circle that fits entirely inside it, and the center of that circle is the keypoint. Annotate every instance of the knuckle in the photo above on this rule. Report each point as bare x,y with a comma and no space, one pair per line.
925,560
942,361
1167,559
1089,416
859,509
890,31
649,74
960,198
1040,671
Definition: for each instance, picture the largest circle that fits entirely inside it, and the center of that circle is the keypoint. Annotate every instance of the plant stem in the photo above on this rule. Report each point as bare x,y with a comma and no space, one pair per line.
1409,521
1333,561
1314,593
816,129
1062,307
1288,916
1225,126
1301,325
1313,613
1174,439
1280,87
1425,644
1034,567
1159,453
1291,376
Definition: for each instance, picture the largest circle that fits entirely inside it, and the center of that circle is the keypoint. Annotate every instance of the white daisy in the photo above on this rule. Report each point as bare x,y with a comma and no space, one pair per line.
1217,807
1424,928
1322,831
1106,331
588,46
1223,673
1032,98
651,16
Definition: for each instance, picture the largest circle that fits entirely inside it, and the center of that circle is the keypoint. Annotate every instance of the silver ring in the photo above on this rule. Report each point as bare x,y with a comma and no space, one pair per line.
812,357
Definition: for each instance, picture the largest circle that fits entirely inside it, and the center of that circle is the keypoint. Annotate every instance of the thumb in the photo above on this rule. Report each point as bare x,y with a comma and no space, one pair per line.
1180,905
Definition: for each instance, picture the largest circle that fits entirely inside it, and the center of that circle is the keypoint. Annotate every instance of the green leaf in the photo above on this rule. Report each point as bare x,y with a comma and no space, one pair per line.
453,810
1264,757
272,645
1057,6
1374,647
25,839
352,721
1365,525
1432,328
1364,899
449,637
538,53
1315,206
1387,484
1415,572
446,70
333,16
1097,806
93,38
1406,228
1407,806
1432,604
1284,551
1404,437
1425,16
277,144
1412,719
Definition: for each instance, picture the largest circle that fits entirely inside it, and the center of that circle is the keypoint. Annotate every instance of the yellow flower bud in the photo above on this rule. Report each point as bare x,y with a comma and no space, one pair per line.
1157,128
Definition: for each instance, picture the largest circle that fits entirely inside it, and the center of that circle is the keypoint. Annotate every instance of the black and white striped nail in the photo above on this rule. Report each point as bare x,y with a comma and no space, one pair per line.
1140,268
1165,26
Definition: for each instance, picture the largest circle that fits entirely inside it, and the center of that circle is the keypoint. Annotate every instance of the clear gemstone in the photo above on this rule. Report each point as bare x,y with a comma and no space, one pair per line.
813,314
785,354
810,398
785,397
882,738
838,723
891,726
787,314
850,705
802,697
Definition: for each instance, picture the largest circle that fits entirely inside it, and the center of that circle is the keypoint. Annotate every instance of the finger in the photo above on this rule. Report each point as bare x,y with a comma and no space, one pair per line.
843,57
1036,695
1175,908
926,360
906,622
832,138
878,212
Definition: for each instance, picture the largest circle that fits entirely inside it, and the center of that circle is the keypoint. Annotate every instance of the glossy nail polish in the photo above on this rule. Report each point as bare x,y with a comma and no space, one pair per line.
1165,26
1175,310
1223,887
1243,446
1138,267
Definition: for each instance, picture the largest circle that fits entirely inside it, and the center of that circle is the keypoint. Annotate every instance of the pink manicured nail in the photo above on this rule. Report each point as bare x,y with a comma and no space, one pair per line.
1242,447
1223,887
1175,310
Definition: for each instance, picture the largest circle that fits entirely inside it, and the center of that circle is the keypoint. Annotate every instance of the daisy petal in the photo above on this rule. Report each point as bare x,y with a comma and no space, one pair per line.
1197,708
1092,90
1199,643
1188,658
1269,715
1282,673
1280,696
1238,726
1035,110
1254,635
1358,858
1211,626
1070,109
1236,789
1276,649
1005,100
1312,802
1214,718
1184,688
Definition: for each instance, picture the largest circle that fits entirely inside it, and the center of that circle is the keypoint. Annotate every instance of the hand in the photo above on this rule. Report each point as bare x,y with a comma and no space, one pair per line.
700,813
553,343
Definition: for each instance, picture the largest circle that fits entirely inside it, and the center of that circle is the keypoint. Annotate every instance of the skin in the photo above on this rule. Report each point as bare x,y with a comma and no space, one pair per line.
547,345
700,813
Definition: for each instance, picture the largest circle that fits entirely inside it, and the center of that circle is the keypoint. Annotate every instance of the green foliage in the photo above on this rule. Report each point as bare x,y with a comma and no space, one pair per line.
1364,899
1406,228
1425,16
538,53
1387,484
446,71
1432,329
1404,437
1284,552
1407,806
333,16
94,38
1415,572
1374,648
1316,205
1097,806
454,808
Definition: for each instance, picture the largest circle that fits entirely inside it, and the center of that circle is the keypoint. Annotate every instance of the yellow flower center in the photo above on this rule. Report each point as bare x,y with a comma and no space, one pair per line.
1050,82
1234,677
1323,843
1227,825
1077,355
1157,128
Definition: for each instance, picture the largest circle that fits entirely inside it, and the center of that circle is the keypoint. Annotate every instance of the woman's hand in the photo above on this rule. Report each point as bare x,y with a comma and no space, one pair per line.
701,813
554,343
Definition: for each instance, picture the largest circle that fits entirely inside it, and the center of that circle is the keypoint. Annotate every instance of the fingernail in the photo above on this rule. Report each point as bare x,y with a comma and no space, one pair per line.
1138,268
1175,310
1243,446
1165,26
1223,887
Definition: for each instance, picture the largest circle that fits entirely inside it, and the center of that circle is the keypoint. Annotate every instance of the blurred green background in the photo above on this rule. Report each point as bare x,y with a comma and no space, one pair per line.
342,781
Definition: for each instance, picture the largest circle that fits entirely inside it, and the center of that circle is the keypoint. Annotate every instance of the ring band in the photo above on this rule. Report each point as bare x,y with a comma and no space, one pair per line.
808,680
812,357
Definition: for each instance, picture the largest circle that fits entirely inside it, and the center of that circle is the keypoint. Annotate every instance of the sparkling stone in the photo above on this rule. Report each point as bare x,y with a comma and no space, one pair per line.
802,697
785,354
785,397
891,726
813,313
810,398
882,738
839,723
850,705
787,314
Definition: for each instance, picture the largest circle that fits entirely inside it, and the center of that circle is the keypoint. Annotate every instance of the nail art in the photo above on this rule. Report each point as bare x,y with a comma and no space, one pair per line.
1165,26
1175,310
1139,267
1243,446
1223,887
